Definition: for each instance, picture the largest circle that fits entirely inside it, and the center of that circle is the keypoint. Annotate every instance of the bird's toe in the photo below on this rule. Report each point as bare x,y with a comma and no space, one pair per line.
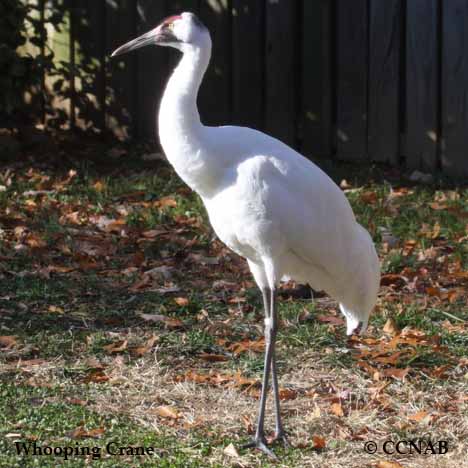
260,444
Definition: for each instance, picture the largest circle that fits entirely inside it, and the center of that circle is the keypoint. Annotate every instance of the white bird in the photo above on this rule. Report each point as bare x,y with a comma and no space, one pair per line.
265,201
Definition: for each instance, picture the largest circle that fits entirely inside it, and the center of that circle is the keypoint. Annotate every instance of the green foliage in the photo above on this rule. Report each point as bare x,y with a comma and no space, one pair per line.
21,72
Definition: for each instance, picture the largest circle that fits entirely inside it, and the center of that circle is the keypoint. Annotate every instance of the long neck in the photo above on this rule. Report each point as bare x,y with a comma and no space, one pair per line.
181,132
178,112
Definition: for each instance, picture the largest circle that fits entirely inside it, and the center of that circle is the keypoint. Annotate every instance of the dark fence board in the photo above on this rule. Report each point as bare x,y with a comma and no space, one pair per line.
454,156
215,92
91,56
280,70
247,63
121,89
377,79
351,75
384,68
152,70
422,65
316,86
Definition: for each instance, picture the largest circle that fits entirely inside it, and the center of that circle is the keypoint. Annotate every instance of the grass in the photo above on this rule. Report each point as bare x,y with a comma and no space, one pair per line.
98,349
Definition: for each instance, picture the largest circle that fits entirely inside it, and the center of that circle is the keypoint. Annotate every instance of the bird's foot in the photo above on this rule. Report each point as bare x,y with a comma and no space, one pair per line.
280,435
260,443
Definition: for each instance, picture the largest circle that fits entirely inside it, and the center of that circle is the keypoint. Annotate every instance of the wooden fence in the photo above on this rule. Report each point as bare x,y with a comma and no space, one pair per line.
380,80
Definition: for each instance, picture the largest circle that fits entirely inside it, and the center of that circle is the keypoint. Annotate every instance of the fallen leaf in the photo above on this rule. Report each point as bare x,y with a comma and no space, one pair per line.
166,412
141,350
152,233
99,186
81,433
369,197
390,327
7,342
166,202
55,309
257,346
387,464
436,231
419,416
213,357
318,442
116,347
396,373
181,301
248,424
96,376
287,394
432,291
31,362
35,242
438,206
337,410
331,319
231,451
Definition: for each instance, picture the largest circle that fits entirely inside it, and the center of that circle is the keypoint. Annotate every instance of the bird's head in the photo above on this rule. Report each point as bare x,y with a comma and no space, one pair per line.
181,32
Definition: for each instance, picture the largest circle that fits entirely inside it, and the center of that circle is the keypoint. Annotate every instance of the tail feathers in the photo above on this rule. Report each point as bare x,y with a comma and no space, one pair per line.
354,321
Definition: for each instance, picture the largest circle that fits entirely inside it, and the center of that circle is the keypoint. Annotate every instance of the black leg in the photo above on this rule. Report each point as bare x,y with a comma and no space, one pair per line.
259,440
279,430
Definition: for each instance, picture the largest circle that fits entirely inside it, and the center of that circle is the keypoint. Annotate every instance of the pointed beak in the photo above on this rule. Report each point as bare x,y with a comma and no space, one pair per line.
159,35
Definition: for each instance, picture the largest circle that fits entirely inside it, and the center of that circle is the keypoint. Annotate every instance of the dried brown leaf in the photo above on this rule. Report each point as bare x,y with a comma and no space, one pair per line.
419,416
96,376
213,357
142,350
81,433
287,394
318,442
166,412
257,346
181,301
387,464
116,347
7,342
390,327
337,409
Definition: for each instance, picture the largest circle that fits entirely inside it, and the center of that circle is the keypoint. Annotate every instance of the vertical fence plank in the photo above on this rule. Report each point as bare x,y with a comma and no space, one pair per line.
280,72
56,90
215,92
73,95
121,71
90,53
351,74
422,65
384,69
152,71
454,151
247,63
316,83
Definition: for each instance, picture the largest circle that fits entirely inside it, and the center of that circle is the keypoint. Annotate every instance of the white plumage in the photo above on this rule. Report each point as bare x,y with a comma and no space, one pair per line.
265,201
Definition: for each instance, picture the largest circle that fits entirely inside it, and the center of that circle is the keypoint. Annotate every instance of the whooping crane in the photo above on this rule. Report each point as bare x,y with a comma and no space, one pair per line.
265,201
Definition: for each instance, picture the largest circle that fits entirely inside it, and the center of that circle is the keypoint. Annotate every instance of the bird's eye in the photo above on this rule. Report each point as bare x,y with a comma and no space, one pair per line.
170,26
